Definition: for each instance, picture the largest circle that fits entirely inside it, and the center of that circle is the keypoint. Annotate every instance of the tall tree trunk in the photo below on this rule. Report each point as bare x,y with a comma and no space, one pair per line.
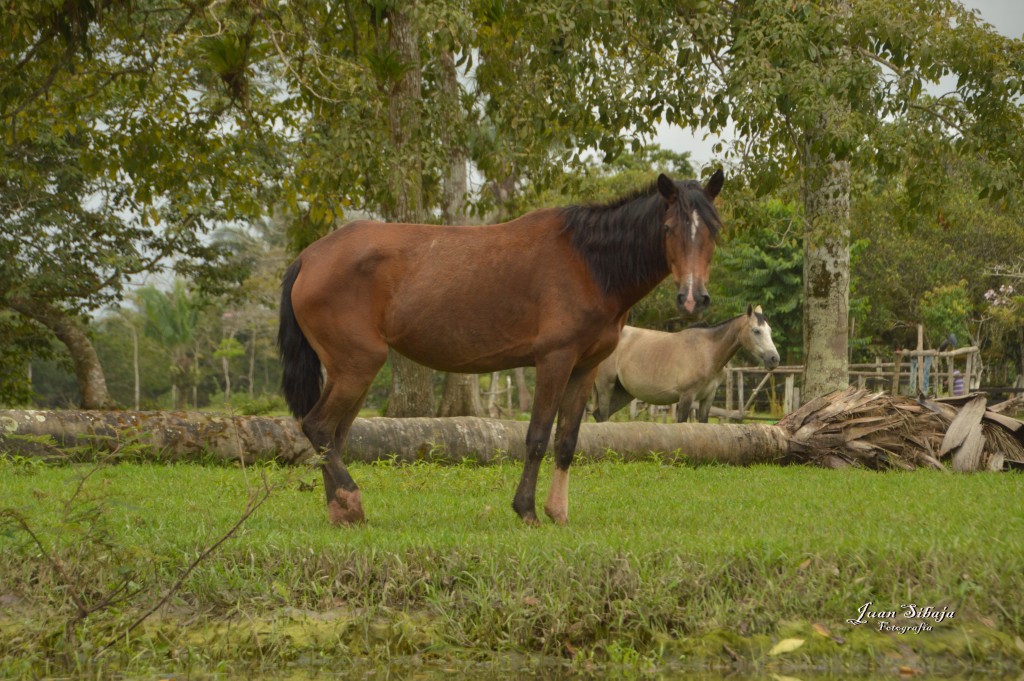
456,186
523,390
461,396
826,255
194,375
252,361
405,200
412,388
826,278
135,364
412,385
492,395
226,367
180,374
92,383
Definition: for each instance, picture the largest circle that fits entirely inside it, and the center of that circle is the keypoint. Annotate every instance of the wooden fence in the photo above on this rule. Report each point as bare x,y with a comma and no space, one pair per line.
776,393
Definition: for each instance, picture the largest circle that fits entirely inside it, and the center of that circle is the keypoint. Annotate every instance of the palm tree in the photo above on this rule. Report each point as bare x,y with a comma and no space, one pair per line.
171,318
257,249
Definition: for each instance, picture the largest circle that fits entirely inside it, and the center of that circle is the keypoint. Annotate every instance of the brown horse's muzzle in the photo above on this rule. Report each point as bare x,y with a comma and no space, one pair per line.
692,300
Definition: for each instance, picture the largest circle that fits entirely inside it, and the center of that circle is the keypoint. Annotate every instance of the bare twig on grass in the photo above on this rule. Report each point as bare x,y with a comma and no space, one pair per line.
70,574
83,608
254,502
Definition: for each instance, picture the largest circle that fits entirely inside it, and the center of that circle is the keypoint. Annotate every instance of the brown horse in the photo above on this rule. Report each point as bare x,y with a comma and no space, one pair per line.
550,289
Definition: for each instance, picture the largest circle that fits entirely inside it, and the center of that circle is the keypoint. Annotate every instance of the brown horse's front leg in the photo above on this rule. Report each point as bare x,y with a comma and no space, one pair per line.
536,442
552,376
570,416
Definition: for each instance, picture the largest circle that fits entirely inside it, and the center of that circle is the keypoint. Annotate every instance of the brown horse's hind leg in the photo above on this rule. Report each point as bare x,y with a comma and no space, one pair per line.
570,415
327,426
552,376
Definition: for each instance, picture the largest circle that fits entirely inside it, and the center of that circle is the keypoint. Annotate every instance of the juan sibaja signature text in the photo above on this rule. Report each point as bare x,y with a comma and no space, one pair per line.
886,619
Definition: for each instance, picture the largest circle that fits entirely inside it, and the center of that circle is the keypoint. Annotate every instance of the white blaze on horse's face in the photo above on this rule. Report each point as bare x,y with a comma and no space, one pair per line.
758,339
689,241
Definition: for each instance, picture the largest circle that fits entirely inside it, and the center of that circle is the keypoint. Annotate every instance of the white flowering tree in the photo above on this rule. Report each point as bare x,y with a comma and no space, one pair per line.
1005,321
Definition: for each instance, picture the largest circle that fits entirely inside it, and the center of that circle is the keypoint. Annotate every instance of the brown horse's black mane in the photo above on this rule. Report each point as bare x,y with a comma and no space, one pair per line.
622,241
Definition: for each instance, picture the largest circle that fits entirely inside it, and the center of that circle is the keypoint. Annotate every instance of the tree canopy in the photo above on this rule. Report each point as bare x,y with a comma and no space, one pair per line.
135,130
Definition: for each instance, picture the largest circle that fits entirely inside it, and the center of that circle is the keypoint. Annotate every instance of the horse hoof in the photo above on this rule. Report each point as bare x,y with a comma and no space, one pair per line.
530,519
559,516
346,508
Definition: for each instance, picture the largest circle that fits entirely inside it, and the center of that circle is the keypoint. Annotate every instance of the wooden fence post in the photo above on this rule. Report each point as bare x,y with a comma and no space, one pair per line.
739,376
896,372
950,366
492,395
920,359
728,388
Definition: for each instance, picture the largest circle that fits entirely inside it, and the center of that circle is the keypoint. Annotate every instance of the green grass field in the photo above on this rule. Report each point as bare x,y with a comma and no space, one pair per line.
661,568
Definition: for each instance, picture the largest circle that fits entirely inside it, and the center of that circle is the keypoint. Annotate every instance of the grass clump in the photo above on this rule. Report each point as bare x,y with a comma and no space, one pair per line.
660,565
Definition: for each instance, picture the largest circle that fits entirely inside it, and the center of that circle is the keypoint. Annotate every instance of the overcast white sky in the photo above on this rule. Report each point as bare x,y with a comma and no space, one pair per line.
1007,16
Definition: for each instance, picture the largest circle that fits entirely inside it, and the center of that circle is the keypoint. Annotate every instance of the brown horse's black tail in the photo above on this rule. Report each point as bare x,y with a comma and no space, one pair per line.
302,380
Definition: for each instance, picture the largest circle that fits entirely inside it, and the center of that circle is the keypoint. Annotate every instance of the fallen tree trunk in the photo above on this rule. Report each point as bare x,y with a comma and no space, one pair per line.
196,435
847,428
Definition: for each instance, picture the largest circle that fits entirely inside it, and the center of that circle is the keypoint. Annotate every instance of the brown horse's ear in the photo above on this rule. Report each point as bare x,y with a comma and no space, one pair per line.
667,187
714,184
750,309
758,310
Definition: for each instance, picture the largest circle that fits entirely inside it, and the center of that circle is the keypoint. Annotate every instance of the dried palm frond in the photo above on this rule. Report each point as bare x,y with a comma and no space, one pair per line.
858,428
1010,405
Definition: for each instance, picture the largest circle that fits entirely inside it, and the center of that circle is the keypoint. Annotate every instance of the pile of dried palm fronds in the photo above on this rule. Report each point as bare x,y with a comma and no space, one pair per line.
858,428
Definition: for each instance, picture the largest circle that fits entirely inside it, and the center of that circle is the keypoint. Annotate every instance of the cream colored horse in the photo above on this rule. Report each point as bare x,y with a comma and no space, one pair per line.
678,368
